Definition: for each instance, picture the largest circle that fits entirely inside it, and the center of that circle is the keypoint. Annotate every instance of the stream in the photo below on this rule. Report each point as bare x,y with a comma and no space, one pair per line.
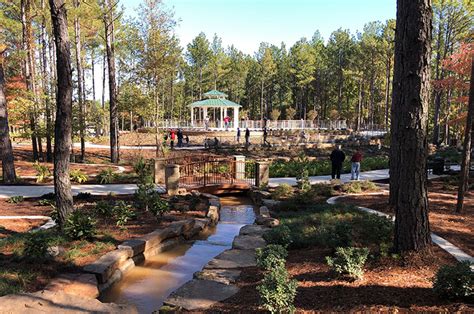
147,285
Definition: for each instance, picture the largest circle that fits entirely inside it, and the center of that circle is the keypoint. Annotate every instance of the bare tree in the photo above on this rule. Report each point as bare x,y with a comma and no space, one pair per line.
6,151
63,124
466,158
409,116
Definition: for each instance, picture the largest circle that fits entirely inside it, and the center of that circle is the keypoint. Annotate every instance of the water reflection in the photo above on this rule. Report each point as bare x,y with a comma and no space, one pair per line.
148,285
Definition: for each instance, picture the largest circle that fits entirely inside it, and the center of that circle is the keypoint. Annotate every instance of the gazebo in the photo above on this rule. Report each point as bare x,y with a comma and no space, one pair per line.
215,99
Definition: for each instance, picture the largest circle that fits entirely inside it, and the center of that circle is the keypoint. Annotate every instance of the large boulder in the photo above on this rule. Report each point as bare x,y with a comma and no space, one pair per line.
233,259
248,242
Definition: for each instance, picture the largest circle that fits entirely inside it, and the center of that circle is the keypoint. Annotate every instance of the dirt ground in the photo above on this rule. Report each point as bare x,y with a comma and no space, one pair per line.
456,228
387,286
10,227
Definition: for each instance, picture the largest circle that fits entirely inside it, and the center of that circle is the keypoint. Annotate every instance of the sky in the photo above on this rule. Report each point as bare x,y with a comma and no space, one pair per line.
247,23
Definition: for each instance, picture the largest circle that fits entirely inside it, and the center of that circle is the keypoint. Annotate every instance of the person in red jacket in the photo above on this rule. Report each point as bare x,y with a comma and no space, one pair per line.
355,169
172,138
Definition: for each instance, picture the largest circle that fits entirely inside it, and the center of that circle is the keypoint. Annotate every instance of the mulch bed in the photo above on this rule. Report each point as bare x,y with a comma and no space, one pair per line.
456,228
10,227
389,285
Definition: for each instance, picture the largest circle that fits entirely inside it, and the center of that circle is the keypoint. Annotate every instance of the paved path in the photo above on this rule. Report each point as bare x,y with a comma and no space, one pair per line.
7,191
148,147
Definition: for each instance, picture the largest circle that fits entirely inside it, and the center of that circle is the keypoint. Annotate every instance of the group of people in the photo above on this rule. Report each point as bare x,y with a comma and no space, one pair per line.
247,136
338,157
173,135
226,121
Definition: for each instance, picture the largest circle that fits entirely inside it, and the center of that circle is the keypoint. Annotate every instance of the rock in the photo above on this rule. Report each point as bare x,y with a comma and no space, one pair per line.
106,265
272,204
154,238
225,276
213,214
162,247
54,251
137,246
58,302
264,211
182,191
233,259
81,284
248,242
200,294
253,230
267,222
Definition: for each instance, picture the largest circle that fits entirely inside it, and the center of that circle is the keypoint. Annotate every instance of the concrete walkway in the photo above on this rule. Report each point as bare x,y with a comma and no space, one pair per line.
125,147
7,191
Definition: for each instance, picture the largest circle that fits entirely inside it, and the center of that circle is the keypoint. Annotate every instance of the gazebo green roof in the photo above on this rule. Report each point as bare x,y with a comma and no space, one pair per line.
214,102
215,94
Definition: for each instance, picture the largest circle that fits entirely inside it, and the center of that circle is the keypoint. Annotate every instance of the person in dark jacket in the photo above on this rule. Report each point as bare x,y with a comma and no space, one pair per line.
180,138
337,158
247,137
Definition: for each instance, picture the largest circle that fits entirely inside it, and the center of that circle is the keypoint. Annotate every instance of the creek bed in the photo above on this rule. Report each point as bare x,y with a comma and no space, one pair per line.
147,285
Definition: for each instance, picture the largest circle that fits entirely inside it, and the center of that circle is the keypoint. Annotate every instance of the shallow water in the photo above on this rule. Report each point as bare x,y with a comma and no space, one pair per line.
146,286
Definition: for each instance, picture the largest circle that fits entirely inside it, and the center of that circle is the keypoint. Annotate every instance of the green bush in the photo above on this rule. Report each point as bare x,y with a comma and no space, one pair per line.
144,170
303,181
122,213
46,202
271,256
277,291
36,245
104,208
455,282
349,261
106,176
78,176
48,196
15,199
80,226
83,196
42,172
158,206
282,191
280,235
374,229
339,235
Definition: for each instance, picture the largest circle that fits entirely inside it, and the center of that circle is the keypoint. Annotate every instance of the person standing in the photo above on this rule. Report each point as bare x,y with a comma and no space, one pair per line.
355,166
206,123
238,135
247,137
172,138
265,135
180,138
337,158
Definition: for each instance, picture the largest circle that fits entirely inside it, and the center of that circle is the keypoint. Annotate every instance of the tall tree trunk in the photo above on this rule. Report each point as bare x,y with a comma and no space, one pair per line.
63,124
109,35
80,78
6,150
46,85
466,157
104,71
25,12
408,151
387,90
359,104
93,72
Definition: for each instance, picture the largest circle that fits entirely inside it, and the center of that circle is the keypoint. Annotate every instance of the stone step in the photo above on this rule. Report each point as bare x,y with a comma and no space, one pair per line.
233,259
248,242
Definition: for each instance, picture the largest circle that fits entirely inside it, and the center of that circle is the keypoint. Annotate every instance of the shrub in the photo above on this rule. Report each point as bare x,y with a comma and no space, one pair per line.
340,235
106,176
303,181
78,176
277,291
455,281
36,245
42,172
282,191
271,256
122,213
46,202
80,226
349,261
104,208
15,199
48,196
374,229
280,235
321,189
144,195
144,170
158,206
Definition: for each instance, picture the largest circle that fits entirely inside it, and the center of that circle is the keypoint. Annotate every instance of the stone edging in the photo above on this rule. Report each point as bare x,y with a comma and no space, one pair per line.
456,252
216,281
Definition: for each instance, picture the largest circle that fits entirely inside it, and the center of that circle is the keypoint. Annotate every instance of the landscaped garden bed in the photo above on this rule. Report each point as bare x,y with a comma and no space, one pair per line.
100,223
385,282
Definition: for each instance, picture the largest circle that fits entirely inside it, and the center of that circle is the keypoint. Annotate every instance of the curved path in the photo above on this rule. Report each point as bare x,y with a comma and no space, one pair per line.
7,191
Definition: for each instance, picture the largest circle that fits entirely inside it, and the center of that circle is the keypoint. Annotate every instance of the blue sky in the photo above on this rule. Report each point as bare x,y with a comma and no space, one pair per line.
246,23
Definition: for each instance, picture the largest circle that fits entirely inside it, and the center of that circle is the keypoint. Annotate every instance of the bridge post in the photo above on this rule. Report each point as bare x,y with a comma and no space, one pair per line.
159,175
263,173
172,179
239,167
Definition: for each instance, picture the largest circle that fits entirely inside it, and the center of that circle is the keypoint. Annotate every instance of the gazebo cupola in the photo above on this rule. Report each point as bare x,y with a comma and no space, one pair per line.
215,99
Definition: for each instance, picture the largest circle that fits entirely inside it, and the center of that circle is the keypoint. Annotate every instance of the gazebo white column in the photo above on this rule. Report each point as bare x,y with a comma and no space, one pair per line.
192,116
236,117
221,122
205,112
